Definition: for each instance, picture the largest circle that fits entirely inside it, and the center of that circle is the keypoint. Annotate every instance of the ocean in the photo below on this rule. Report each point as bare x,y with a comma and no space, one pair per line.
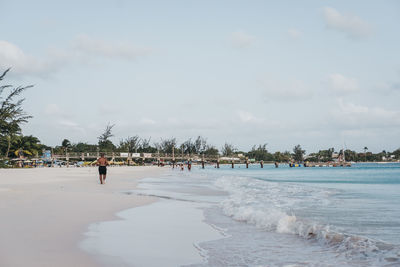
322,216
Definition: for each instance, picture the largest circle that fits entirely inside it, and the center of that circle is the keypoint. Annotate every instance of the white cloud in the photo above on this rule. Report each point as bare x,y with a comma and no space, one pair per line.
82,49
246,117
387,87
340,83
355,116
295,34
241,39
110,49
352,109
353,26
11,56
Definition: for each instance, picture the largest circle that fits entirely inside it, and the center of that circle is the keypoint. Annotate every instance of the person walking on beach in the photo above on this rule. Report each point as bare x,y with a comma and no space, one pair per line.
102,163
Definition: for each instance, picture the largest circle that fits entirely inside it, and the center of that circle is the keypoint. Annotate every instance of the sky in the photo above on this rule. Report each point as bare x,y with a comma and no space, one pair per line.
316,73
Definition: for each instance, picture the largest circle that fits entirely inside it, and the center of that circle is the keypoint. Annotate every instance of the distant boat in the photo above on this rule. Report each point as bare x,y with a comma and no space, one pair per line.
341,162
344,163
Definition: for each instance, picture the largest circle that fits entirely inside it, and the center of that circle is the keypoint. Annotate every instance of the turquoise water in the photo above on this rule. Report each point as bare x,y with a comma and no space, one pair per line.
362,200
367,173
322,216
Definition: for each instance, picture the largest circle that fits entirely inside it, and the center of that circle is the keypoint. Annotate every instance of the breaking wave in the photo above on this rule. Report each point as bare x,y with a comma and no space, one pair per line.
273,206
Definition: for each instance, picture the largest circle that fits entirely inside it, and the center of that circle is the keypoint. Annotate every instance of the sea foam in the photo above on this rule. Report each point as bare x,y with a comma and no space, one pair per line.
270,206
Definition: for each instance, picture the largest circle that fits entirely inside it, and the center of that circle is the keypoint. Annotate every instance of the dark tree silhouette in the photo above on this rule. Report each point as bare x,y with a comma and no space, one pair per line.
11,113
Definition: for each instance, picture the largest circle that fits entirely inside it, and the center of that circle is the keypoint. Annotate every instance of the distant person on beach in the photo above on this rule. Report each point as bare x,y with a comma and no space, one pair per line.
102,163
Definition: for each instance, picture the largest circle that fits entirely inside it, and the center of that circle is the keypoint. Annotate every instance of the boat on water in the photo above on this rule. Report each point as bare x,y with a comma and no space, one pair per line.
339,162
327,164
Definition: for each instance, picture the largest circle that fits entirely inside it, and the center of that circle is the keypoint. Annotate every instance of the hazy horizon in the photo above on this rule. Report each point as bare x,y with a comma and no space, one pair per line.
319,74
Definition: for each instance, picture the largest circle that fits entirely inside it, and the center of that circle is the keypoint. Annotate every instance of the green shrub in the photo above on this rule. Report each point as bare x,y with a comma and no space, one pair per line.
3,164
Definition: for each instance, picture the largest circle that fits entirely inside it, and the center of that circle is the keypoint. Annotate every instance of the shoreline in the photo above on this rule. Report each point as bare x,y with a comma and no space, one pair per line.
167,232
164,233
46,211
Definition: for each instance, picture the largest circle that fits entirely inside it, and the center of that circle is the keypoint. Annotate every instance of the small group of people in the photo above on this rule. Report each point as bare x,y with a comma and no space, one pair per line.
182,165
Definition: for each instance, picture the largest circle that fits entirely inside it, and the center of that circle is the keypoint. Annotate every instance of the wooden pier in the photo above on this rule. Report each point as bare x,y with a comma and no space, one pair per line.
172,159
132,157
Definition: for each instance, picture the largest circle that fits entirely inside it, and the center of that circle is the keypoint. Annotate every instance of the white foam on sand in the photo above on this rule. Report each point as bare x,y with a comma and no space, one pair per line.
165,233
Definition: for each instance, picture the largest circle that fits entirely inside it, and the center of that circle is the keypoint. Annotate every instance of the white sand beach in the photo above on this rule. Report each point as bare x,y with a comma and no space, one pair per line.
46,211
203,218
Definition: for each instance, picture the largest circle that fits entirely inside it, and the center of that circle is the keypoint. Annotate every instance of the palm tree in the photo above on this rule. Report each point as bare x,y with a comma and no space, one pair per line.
365,153
11,113
10,131
65,145
26,145
298,153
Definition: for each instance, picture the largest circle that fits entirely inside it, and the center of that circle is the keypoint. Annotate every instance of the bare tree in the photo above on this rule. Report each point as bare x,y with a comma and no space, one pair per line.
211,151
188,146
200,144
104,139
166,145
228,149
145,145
131,143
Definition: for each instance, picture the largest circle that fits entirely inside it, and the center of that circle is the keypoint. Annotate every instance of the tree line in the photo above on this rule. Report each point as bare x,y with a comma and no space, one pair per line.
14,144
